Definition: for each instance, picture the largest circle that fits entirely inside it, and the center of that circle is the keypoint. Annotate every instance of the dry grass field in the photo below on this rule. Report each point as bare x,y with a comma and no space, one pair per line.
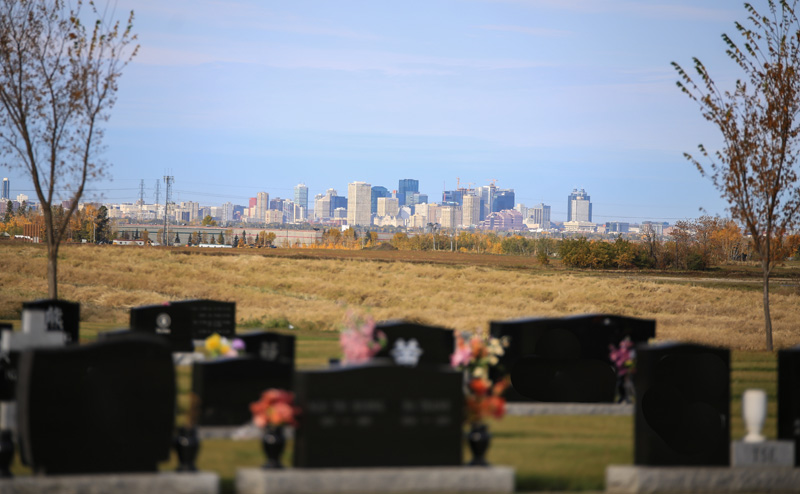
312,289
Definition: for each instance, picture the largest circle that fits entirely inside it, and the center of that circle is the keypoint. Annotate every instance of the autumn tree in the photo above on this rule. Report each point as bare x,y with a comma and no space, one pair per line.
756,169
58,83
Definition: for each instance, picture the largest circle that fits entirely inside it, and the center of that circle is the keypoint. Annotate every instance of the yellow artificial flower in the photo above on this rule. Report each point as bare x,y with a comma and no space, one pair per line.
213,343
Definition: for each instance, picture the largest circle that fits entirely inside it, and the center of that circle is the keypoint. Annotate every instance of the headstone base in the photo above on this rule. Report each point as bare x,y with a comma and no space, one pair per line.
763,454
128,483
632,479
539,408
497,479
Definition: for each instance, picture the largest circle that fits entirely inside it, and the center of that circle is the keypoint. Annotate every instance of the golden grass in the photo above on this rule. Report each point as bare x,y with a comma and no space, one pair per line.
315,293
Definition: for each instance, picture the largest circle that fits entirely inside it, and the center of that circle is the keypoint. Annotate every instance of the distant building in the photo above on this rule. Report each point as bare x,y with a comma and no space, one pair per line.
405,186
301,196
503,200
450,217
388,206
453,197
262,205
506,220
470,211
227,212
580,226
617,227
359,204
540,215
378,192
579,206
6,194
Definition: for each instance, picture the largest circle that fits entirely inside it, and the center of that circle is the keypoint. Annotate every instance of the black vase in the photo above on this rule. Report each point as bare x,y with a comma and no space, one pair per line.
6,454
187,445
273,442
478,439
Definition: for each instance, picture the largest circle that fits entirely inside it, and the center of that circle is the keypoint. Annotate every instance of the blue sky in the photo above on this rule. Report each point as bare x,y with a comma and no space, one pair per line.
232,98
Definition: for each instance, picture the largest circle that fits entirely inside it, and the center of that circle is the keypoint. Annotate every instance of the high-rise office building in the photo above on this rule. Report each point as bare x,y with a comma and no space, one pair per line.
579,206
377,192
301,195
503,200
6,190
359,204
471,210
262,204
540,215
388,206
406,185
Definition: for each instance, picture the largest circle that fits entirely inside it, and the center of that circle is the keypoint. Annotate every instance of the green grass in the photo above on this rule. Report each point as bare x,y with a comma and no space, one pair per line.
548,452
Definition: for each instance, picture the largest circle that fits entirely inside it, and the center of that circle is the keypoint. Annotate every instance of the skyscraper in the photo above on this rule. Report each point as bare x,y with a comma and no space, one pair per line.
377,192
262,204
503,200
541,215
6,190
579,206
406,185
471,210
301,195
359,204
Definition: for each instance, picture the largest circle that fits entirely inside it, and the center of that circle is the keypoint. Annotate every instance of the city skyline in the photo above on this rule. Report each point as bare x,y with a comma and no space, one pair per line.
542,97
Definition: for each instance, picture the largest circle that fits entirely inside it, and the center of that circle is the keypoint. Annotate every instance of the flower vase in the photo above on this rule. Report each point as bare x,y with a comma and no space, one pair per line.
754,410
625,390
6,454
273,442
187,445
478,439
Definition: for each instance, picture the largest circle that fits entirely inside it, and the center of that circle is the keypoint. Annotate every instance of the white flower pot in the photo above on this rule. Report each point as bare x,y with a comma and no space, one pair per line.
754,411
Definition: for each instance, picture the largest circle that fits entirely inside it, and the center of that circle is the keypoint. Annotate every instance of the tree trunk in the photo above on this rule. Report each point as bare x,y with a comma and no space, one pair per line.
52,273
767,318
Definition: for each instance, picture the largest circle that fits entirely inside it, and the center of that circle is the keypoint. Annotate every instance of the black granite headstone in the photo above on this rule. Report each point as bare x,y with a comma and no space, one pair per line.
789,398
225,387
210,316
566,359
173,322
682,405
267,345
98,408
60,315
379,415
403,339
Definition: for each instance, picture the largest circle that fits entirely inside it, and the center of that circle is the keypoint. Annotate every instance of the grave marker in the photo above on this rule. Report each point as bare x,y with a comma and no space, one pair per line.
682,409
98,408
267,345
60,315
379,415
207,317
170,321
789,398
566,359
225,387
410,344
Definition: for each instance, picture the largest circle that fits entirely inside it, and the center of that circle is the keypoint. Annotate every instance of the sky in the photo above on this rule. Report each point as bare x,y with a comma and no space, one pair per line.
541,96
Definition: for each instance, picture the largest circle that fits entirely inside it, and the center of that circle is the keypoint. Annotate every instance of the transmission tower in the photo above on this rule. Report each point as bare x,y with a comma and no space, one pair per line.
141,192
167,199
158,191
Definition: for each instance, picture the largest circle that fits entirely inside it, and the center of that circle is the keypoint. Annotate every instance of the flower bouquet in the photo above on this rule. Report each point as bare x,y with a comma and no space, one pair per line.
476,355
274,410
623,358
216,346
359,339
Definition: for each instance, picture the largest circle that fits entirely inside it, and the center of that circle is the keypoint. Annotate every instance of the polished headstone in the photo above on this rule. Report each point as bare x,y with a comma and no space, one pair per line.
60,315
268,345
97,408
789,398
411,344
565,359
379,415
170,321
224,388
210,316
682,409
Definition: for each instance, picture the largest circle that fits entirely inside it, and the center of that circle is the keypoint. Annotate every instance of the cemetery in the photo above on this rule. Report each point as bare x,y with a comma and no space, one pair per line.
404,407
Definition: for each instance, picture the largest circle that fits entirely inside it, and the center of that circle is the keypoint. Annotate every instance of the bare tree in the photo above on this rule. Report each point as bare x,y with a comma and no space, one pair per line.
756,169
58,82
